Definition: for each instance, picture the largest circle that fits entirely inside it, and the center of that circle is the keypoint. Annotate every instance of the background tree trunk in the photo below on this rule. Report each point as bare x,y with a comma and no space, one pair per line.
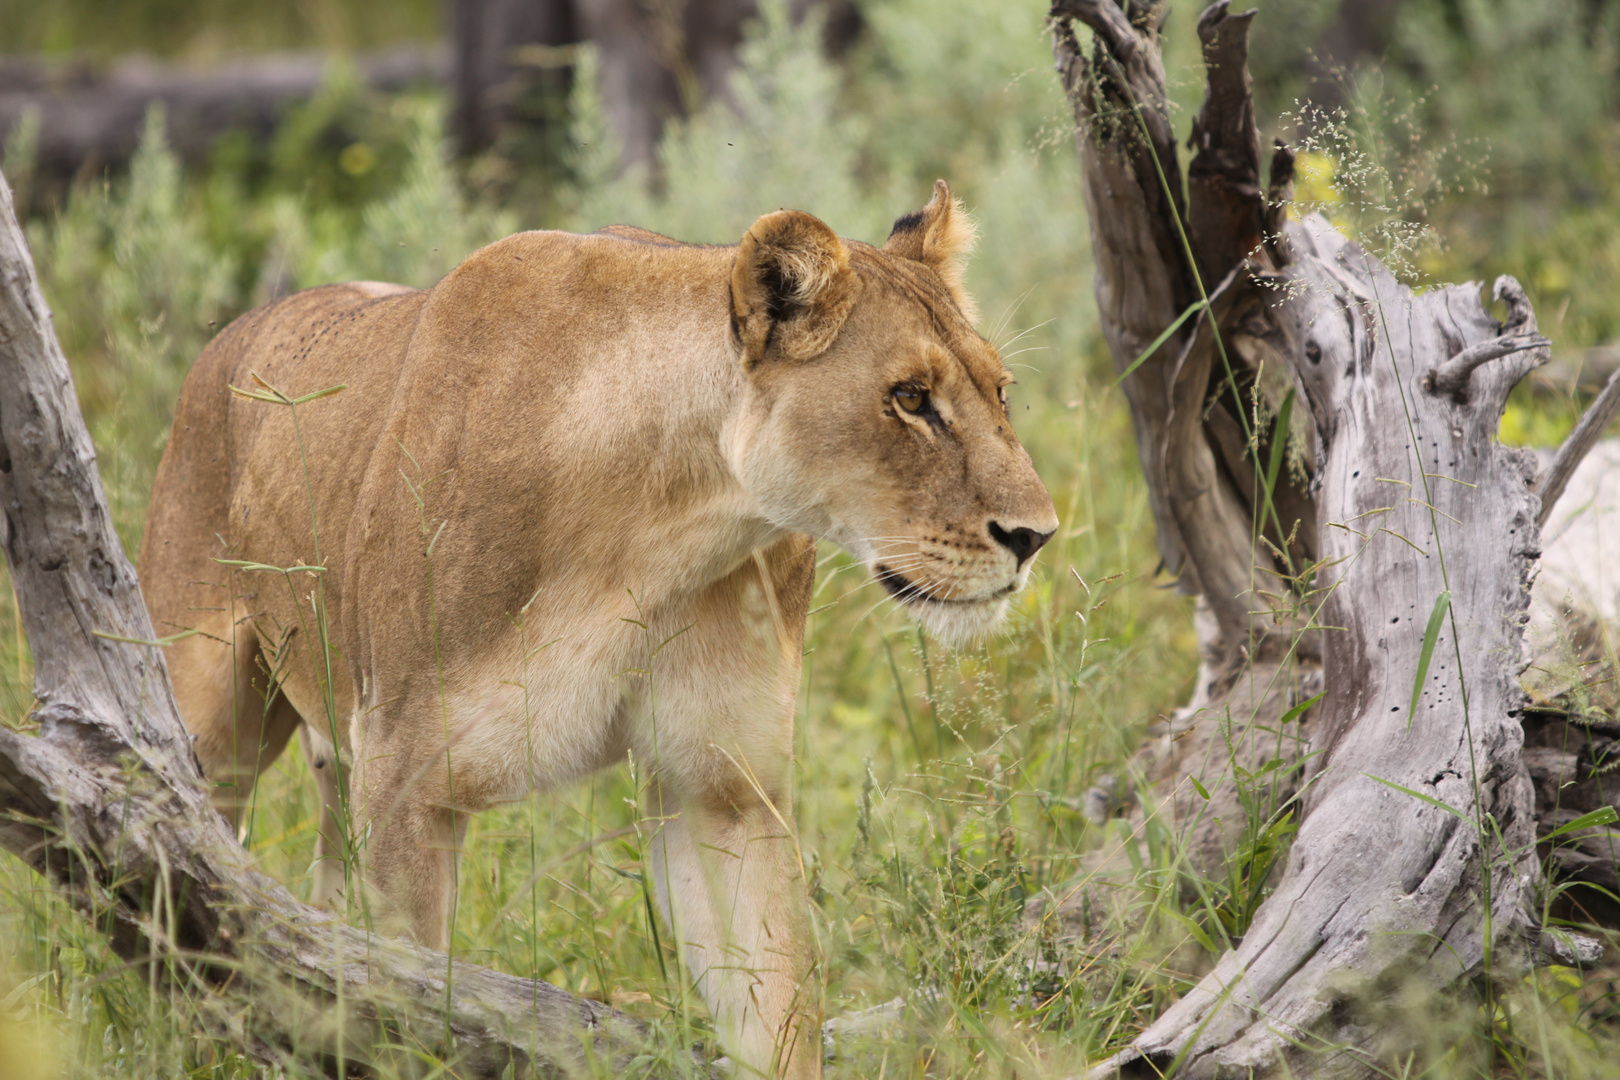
108,802
505,55
1319,444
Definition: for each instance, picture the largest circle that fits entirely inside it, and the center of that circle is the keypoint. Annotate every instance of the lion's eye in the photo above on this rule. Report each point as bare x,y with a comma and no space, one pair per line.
911,398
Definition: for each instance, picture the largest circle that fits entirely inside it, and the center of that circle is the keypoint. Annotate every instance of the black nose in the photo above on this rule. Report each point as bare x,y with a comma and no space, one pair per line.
1021,542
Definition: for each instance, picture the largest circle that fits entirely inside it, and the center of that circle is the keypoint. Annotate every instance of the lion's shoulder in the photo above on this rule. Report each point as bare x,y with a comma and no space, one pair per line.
640,236
622,275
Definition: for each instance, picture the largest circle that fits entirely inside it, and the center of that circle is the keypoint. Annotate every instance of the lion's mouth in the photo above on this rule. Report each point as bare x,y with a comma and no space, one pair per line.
907,591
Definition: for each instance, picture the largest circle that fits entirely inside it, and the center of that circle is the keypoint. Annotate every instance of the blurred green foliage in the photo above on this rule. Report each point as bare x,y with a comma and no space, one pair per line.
1501,122
937,793
210,29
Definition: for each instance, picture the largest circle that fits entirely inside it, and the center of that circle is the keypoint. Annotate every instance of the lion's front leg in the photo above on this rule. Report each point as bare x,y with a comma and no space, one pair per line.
409,832
717,729
732,889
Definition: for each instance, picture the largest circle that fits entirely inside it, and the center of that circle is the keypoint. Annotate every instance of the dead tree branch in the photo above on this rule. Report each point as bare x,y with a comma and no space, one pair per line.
1593,423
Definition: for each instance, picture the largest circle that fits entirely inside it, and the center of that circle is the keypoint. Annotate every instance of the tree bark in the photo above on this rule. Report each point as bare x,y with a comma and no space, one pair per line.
107,800
493,64
664,60
1389,563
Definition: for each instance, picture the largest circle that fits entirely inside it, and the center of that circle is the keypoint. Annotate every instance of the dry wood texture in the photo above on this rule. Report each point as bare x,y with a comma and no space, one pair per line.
107,800
1400,518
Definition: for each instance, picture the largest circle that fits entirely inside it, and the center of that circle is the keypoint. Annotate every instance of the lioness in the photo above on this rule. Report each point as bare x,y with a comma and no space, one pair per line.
566,508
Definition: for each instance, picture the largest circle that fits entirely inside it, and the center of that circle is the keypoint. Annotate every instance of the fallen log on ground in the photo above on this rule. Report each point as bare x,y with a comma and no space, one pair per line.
108,803
1319,444
87,120
507,64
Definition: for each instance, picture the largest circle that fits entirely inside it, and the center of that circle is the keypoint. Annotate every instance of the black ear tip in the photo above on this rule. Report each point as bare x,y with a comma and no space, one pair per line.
907,222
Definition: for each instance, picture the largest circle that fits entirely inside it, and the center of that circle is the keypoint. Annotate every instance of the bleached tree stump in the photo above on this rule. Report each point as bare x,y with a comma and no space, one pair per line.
108,803
1391,568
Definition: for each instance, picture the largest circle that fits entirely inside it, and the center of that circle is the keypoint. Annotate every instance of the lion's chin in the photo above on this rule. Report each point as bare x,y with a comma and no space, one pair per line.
960,624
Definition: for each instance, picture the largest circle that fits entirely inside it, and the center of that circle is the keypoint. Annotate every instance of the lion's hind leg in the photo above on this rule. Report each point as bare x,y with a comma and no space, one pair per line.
335,864
239,724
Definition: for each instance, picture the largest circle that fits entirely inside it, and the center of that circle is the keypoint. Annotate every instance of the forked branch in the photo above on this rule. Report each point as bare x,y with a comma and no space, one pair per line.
1518,336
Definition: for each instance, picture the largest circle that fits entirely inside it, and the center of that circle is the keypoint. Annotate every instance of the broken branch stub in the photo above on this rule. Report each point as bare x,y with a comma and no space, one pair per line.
108,803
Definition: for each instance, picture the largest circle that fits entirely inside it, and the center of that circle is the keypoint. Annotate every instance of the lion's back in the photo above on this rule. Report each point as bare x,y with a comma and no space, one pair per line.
215,431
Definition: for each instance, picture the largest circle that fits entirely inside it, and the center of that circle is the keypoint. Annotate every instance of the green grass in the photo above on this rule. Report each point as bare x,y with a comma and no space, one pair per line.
938,793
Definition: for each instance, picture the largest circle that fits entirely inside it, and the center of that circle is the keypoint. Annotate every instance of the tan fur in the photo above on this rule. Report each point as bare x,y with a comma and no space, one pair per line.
566,508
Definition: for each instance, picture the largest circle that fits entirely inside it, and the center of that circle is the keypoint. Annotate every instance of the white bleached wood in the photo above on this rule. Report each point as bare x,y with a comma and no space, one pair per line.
1417,498
1407,496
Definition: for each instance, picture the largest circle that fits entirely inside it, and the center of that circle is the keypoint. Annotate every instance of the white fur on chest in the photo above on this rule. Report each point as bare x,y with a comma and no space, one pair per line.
570,696
544,712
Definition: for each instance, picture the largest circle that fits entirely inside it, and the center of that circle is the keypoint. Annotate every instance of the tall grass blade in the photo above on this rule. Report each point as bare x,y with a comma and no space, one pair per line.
1299,710
160,643
1430,799
1192,309
1603,815
1431,635
1279,441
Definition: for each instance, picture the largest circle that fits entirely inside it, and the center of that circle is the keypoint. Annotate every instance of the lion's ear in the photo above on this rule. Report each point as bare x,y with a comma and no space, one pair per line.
791,288
939,235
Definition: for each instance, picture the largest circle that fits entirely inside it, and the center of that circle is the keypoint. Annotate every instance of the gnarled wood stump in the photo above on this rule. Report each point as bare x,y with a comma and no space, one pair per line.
1320,447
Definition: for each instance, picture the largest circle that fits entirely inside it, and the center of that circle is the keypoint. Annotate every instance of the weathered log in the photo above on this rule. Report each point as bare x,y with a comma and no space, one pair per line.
1142,281
1153,264
1571,737
108,803
1401,521
89,120
1415,506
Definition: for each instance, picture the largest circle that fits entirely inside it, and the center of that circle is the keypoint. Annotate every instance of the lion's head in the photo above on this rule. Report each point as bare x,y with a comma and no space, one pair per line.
879,416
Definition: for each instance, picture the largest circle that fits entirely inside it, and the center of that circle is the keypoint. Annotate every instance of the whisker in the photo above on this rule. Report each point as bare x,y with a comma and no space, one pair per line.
1024,333
870,581
1011,310
903,567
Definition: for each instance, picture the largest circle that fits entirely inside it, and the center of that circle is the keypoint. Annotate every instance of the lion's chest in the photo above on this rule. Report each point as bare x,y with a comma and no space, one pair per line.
572,689
542,711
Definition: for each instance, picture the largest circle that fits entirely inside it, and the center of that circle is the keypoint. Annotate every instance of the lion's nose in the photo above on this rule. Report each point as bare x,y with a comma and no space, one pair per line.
1022,542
